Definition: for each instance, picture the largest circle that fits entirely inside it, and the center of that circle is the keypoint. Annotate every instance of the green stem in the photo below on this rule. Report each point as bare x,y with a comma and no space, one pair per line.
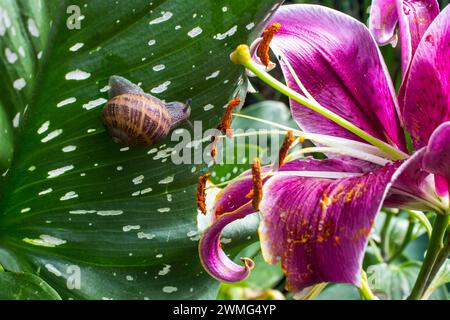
440,260
277,85
365,290
434,248
376,251
406,240
422,218
384,233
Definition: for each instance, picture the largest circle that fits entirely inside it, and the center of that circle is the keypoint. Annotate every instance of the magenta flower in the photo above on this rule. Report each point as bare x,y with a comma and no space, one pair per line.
412,17
316,215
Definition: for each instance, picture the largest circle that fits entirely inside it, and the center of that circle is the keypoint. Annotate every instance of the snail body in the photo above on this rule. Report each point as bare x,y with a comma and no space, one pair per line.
132,116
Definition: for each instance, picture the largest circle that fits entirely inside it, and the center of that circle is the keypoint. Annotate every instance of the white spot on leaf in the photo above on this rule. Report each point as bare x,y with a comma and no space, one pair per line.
195,32
94,103
169,289
166,16
213,75
130,227
77,75
110,213
69,195
66,102
43,127
69,148
159,67
46,191
19,84
11,57
229,33
167,180
52,135
45,241
76,46
161,88
32,28
16,120
57,172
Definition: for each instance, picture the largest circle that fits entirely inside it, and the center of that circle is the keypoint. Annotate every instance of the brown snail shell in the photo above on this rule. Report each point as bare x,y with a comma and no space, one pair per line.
135,119
132,116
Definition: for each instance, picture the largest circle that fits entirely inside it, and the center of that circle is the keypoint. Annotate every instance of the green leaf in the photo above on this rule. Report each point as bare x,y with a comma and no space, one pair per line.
339,291
395,236
438,289
23,286
266,110
6,141
74,200
24,28
394,282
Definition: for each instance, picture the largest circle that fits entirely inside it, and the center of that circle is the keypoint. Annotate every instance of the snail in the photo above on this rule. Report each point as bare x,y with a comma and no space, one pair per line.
132,116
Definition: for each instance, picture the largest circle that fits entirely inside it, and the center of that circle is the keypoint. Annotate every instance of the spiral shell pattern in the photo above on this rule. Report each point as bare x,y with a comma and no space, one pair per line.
136,119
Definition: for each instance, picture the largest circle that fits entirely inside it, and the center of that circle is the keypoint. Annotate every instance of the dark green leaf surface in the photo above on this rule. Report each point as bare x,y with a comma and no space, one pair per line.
72,198
22,286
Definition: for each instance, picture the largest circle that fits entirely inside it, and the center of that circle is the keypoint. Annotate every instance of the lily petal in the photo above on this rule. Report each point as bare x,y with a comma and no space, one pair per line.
320,227
214,259
437,158
383,21
413,17
339,63
413,187
427,96
233,203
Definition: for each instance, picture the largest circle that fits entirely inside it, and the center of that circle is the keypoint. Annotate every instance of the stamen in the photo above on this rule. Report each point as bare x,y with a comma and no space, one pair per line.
289,139
257,184
201,192
341,151
317,174
214,142
224,125
263,49
326,140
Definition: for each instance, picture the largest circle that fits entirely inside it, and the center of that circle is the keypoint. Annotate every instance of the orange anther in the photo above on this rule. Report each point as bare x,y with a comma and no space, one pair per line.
257,184
289,139
201,192
263,49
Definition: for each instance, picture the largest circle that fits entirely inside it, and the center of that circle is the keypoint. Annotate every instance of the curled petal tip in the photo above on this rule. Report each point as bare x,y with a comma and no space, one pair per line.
249,264
241,55
212,256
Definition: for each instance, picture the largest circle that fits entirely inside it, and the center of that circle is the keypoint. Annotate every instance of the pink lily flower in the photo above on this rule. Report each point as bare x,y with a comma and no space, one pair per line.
317,215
